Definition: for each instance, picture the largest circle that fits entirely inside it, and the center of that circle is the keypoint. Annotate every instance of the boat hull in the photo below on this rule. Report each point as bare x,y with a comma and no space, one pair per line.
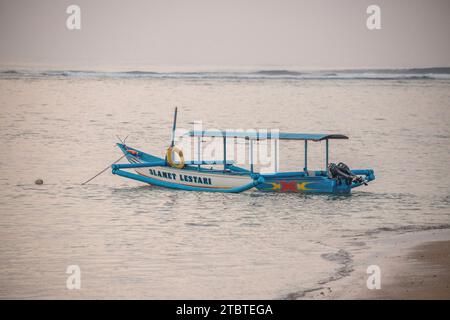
297,183
151,170
194,178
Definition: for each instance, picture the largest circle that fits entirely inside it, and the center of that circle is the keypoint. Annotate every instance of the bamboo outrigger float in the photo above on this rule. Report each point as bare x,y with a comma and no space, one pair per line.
194,176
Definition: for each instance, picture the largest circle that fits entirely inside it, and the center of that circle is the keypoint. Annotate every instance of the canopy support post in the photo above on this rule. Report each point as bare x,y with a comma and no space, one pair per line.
306,156
198,152
224,153
276,155
326,155
251,156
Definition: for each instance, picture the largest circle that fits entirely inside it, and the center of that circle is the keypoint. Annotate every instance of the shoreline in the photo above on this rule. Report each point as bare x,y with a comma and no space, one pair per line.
413,265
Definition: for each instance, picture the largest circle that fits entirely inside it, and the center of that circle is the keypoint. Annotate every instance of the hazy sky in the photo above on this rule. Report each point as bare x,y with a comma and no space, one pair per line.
299,33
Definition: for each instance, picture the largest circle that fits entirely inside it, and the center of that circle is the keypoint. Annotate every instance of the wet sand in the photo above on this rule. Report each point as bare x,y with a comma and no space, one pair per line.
423,273
413,266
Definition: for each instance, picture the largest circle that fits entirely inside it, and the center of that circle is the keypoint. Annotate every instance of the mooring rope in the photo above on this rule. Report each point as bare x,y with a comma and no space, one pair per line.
103,170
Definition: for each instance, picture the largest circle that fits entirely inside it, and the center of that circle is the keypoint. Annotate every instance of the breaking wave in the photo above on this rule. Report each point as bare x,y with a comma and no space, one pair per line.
360,74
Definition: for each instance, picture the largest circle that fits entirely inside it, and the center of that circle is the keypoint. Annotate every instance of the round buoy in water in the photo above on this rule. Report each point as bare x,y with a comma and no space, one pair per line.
39,181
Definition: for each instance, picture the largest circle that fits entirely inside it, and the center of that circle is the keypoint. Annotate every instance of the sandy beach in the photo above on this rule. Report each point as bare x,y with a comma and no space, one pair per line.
414,265
426,276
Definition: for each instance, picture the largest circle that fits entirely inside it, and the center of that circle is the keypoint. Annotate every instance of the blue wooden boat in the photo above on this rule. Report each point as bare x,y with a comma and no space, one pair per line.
200,175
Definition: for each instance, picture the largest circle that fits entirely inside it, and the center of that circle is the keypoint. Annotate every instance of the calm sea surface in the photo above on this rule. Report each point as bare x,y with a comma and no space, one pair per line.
134,241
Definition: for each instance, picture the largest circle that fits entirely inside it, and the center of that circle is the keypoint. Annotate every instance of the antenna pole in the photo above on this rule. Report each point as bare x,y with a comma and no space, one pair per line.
174,127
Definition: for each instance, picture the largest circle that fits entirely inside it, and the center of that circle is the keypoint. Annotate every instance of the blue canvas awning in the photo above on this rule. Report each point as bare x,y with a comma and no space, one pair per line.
268,135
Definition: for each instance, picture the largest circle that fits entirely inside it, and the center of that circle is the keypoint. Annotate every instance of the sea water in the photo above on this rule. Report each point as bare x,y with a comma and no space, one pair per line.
131,240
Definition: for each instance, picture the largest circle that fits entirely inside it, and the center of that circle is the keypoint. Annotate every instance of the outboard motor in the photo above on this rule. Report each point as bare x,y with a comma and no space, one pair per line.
342,172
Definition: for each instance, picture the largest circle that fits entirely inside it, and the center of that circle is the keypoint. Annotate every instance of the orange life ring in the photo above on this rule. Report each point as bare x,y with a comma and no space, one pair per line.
170,151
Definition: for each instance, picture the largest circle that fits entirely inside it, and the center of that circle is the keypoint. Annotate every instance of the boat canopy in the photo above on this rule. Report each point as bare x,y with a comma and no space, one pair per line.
254,135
